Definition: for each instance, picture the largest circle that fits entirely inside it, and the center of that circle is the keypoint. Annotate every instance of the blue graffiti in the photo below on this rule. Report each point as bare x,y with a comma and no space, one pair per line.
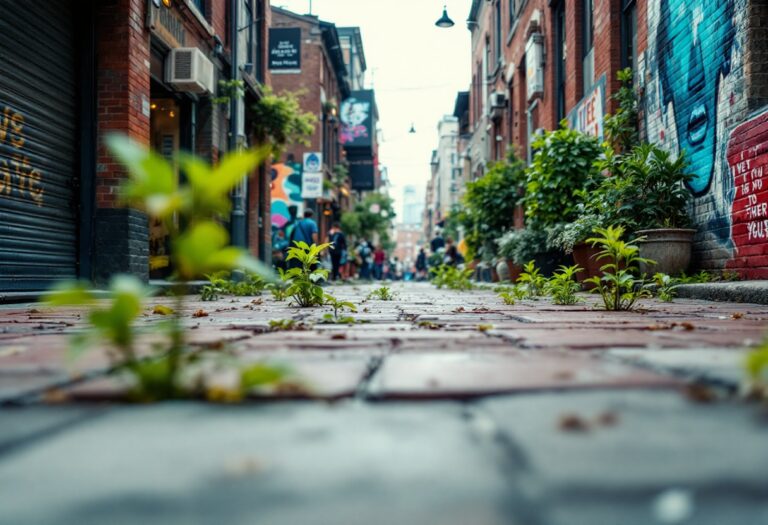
695,39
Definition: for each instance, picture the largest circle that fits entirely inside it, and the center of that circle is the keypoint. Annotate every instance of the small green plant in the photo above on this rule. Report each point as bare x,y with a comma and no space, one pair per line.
338,307
191,212
618,286
757,370
220,284
507,298
302,281
562,286
665,287
531,280
383,293
229,89
279,290
451,277
281,325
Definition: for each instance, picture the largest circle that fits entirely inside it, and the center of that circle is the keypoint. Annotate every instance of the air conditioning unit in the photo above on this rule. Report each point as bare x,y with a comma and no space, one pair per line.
188,69
497,101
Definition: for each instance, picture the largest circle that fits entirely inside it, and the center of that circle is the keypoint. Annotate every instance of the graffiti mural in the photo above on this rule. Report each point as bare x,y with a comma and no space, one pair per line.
286,194
694,96
747,160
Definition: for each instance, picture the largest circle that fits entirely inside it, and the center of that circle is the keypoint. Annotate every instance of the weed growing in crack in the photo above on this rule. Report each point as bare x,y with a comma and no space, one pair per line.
383,293
451,277
531,281
562,286
618,287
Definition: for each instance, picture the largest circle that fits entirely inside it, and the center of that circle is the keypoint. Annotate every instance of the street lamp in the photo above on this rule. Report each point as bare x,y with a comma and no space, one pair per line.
413,129
445,20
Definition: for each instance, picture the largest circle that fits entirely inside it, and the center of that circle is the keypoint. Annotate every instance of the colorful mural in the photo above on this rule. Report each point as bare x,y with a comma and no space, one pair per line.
286,194
694,96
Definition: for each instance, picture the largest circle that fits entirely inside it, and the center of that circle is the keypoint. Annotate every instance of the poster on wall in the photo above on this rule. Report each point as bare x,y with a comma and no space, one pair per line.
357,120
587,116
312,176
285,49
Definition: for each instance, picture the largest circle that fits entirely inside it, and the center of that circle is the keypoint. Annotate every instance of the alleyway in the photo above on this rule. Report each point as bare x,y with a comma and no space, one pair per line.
443,407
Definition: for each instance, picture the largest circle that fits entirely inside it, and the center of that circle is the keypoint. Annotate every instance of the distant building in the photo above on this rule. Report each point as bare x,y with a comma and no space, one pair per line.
408,238
412,206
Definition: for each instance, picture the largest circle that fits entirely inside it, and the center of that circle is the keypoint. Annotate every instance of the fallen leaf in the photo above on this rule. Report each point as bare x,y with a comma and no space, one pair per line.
737,315
700,394
55,396
200,313
162,310
572,423
339,336
608,419
484,327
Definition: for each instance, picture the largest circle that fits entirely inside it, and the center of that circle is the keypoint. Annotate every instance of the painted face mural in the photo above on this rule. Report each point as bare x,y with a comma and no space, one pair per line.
694,42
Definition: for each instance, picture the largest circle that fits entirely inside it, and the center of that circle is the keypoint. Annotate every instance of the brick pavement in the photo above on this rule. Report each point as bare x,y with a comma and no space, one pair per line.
447,407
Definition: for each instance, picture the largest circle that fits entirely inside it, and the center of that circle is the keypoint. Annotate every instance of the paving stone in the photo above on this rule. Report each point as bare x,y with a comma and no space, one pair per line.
435,375
279,464
720,364
656,440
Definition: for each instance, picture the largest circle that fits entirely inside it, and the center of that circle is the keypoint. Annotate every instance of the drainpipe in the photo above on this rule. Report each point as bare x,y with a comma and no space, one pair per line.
238,215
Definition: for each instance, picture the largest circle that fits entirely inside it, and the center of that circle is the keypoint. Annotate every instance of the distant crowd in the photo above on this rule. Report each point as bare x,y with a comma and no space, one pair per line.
362,260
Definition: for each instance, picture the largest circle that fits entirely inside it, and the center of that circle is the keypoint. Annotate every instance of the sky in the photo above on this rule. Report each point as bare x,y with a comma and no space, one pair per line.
416,69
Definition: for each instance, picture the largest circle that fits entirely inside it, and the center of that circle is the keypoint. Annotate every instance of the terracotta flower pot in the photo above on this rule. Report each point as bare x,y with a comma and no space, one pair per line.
669,247
514,270
585,256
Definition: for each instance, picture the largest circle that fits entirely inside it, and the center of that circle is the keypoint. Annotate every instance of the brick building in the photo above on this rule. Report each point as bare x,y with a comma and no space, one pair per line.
701,71
117,67
322,80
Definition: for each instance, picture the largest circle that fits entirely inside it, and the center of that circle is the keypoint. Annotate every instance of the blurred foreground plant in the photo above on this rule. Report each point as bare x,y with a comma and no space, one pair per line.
191,213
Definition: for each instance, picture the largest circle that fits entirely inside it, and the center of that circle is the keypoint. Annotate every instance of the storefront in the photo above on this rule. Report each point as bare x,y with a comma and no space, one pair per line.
40,113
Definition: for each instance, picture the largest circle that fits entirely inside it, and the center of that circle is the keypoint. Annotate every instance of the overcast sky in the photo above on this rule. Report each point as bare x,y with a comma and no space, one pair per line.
416,69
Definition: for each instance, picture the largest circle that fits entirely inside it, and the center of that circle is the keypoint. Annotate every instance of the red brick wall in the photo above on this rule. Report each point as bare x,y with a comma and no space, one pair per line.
122,86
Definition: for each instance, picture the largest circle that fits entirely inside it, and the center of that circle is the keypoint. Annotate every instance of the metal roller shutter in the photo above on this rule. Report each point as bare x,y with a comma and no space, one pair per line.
38,144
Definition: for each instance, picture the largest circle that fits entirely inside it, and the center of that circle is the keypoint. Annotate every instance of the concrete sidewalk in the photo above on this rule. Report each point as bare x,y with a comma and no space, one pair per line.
445,407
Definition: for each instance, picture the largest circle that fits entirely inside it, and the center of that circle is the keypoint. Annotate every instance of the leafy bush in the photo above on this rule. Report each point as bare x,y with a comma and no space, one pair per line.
618,287
562,165
522,245
280,121
302,281
621,128
488,206
562,286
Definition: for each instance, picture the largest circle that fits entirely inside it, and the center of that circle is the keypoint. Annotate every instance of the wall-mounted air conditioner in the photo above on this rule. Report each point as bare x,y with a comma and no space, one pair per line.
497,101
188,69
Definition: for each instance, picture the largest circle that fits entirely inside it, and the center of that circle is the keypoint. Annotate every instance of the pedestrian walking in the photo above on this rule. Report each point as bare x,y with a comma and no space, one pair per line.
437,242
379,258
304,230
338,250
421,265
365,253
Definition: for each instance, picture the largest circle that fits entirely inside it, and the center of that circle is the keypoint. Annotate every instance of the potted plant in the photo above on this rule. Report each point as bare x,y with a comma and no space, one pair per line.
660,213
572,237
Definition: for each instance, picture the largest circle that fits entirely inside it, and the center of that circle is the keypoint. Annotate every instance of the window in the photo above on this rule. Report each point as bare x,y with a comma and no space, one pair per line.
200,5
559,32
628,34
588,44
